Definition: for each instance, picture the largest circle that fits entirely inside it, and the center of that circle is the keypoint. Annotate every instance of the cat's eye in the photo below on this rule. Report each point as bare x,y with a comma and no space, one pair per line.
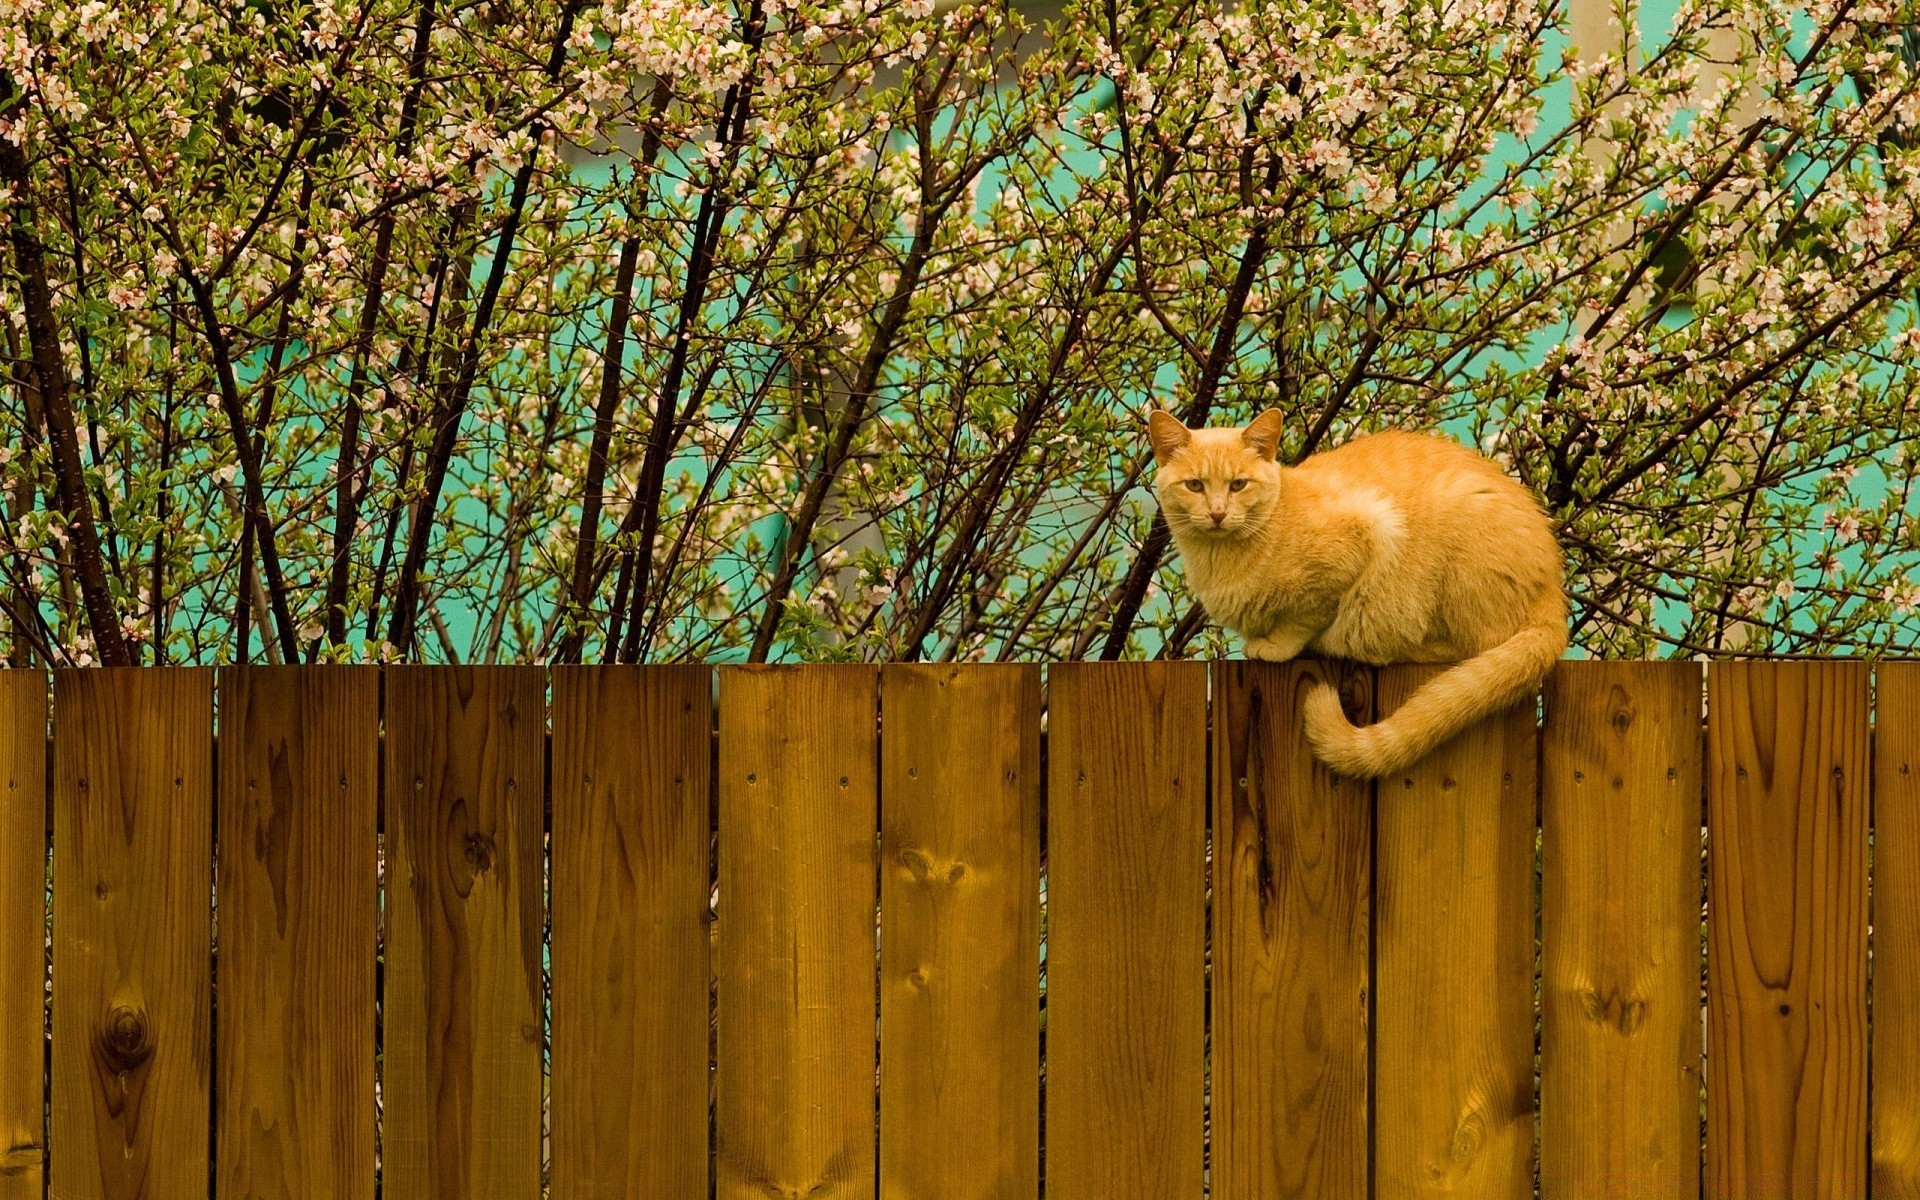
1196,485
1236,485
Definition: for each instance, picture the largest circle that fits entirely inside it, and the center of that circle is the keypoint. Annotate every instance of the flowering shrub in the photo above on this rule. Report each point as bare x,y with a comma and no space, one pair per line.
659,329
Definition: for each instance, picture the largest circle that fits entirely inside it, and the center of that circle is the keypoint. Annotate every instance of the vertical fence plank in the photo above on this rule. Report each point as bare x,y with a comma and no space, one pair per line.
1126,846
960,936
1896,933
1620,932
1454,962
23,912
1293,883
465,760
132,957
1787,924
298,897
631,785
797,974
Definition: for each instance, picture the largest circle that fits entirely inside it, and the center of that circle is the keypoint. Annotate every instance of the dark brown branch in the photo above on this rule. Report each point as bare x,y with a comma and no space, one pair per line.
935,203
346,504
1133,589
253,492
664,434
50,381
613,360
452,404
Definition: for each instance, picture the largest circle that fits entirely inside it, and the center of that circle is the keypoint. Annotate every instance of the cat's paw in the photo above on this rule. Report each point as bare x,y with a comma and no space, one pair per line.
1281,646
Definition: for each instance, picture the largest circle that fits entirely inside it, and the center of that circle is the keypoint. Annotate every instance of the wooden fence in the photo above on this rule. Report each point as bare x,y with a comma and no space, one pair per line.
800,936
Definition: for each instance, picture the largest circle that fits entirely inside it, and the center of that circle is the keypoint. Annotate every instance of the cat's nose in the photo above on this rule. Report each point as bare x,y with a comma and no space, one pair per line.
1218,516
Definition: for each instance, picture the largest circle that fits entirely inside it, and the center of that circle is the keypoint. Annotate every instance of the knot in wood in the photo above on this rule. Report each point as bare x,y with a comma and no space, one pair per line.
1624,1013
123,1041
917,864
23,1156
1467,1139
480,850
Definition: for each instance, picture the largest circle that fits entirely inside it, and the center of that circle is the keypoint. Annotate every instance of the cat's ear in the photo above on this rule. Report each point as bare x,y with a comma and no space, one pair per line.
1262,434
1166,433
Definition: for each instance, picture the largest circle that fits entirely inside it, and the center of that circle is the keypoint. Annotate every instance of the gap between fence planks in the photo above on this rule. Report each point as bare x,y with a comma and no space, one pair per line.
632,767
1787,930
132,941
23,907
465,764
1453,988
960,937
1620,932
1292,904
1126,967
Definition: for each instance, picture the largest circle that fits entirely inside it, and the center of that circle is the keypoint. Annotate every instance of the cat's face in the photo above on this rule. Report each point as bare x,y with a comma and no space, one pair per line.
1217,483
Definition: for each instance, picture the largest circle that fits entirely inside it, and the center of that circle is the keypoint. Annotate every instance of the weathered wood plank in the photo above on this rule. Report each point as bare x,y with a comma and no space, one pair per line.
465,760
796,969
960,936
133,934
1292,898
631,785
1453,1080
1787,930
23,913
299,804
1126,845
1620,931
1896,933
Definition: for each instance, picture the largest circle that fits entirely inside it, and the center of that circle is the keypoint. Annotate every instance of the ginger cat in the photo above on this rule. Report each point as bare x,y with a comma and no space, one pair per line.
1396,547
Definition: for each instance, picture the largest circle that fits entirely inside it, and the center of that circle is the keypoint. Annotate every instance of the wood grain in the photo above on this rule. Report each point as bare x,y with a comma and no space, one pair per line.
1454,962
632,770
796,968
960,933
1126,968
133,935
1787,924
299,804
1620,931
1896,933
1292,902
23,931
465,760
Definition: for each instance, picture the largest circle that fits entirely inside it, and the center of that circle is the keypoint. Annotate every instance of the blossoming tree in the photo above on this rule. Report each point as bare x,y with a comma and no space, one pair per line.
659,329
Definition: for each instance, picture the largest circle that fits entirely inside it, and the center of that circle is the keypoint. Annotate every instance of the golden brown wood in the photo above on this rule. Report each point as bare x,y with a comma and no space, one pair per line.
1453,1080
298,895
796,969
1126,846
23,913
1787,930
132,921
465,760
1293,883
1896,933
1620,932
960,936
631,781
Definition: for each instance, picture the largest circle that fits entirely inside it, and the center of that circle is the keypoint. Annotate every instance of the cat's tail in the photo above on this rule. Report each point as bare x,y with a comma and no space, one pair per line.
1462,695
